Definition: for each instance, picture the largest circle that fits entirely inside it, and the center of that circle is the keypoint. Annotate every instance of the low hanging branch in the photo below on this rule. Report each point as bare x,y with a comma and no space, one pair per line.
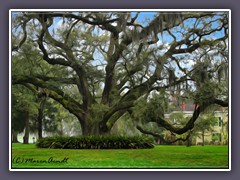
53,92
190,124
161,136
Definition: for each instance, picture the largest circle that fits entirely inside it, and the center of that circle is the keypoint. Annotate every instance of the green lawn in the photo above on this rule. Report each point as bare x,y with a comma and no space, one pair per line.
28,156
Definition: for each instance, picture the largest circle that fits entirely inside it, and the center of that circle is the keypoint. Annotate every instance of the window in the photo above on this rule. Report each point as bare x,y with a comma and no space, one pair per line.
219,121
216,137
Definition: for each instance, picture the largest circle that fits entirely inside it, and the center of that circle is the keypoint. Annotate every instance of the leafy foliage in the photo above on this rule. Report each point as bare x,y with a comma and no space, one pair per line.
205,123
95,142
148,110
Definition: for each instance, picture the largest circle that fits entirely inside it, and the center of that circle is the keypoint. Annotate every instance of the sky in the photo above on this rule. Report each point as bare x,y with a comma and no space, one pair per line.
143,16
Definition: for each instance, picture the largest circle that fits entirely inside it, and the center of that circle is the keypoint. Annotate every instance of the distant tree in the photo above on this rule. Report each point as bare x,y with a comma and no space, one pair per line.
24,110
18,119
204,126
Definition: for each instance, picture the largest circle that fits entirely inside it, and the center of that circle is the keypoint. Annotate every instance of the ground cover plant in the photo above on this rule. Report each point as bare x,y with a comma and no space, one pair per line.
95,142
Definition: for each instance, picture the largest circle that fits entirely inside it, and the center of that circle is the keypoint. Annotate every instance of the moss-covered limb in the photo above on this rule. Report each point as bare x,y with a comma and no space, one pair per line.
54,92
192,44
115,117
68,103
114,113
190,124
118,107
110,68
56,79
83,87
31,87
161,137
175,83
21,79
174,50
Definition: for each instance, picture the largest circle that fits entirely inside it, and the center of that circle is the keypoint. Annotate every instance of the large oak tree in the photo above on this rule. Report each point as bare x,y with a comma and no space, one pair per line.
112,59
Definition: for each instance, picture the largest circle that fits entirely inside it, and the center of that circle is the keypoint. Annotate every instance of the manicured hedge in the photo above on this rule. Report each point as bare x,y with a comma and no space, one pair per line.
95,142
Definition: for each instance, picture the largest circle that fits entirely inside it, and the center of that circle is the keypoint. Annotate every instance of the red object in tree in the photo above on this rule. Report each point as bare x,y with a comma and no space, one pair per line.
183,106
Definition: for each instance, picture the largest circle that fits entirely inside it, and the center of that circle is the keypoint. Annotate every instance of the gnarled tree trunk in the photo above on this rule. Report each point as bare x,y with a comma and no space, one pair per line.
94,127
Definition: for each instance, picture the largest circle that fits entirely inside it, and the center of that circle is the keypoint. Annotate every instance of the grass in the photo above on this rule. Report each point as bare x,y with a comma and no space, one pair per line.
28,156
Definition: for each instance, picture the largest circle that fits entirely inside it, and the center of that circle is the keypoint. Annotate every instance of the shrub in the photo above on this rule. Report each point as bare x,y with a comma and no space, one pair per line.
95,142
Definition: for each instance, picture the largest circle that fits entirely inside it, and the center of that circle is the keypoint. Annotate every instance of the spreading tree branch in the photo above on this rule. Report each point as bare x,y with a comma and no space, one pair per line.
161,137
54,92
190,124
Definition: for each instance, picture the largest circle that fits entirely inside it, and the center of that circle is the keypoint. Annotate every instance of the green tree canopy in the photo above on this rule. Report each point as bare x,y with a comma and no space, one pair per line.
113,59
